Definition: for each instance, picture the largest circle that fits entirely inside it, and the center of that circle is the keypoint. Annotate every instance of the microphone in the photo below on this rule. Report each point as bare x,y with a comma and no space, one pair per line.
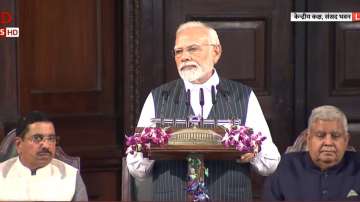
202,102
188,104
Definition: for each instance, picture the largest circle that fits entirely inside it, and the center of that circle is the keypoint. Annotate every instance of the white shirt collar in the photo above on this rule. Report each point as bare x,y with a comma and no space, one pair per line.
194,98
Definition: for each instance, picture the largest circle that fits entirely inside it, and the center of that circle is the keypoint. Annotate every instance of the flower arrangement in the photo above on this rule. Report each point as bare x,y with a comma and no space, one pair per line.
140,142
243,139
196,185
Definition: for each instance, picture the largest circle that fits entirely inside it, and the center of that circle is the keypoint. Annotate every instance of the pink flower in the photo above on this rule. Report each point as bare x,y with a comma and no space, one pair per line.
141,142
243,139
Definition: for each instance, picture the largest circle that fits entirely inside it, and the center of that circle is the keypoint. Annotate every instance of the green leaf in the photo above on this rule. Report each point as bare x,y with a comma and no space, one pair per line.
206,173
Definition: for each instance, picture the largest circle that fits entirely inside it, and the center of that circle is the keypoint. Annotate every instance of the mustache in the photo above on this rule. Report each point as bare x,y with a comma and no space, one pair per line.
189,63
327,149
44,151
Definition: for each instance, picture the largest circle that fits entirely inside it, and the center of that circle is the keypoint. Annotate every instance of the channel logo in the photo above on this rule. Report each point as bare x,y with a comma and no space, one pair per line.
5,20
9,32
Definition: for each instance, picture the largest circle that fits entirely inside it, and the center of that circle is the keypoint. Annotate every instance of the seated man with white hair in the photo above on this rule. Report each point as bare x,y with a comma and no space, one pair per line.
326,172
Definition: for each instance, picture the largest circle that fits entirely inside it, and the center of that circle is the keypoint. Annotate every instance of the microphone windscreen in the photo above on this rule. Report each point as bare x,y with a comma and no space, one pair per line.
202,102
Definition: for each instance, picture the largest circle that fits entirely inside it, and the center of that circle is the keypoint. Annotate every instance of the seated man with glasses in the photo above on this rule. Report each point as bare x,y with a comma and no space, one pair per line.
34,175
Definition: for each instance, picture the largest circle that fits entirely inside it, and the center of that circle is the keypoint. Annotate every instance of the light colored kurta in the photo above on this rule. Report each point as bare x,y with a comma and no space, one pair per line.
54,182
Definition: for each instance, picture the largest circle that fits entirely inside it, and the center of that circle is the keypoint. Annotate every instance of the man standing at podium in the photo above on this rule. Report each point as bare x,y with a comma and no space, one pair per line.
197,49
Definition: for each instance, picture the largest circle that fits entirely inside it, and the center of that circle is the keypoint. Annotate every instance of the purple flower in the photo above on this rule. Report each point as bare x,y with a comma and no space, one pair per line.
140,142
243,139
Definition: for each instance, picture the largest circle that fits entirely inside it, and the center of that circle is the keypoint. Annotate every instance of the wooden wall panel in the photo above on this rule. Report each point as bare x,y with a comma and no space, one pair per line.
62,69
67,68
246,60
66,58
77,55
333,63
346,72
8,67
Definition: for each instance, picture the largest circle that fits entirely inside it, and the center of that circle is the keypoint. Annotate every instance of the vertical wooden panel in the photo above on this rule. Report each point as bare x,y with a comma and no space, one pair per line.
65,60
333,63
76,24
67,69
8,65
246,40
62,67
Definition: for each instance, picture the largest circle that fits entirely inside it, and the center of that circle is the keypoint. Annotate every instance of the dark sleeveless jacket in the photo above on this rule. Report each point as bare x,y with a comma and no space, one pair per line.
228,180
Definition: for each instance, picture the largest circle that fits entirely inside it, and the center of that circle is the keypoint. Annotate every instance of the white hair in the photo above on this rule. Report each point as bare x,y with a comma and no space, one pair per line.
213,36
328,113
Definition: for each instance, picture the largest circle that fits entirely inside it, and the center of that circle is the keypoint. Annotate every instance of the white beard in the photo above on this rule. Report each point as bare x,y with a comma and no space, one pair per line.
191,74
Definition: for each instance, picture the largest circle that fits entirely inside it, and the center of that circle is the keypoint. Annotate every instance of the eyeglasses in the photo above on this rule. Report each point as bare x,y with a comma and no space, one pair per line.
38,138
192,49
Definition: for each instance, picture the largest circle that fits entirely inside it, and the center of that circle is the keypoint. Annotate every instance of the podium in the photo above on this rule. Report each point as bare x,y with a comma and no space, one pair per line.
185,141
194,145
194,140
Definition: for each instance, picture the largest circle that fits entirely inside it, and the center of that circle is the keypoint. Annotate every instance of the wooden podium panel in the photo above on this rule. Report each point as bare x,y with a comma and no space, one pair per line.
192,144
179,152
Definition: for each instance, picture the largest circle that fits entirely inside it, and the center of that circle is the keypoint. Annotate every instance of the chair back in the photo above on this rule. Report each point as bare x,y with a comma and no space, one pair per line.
299,144
74,161
7,146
